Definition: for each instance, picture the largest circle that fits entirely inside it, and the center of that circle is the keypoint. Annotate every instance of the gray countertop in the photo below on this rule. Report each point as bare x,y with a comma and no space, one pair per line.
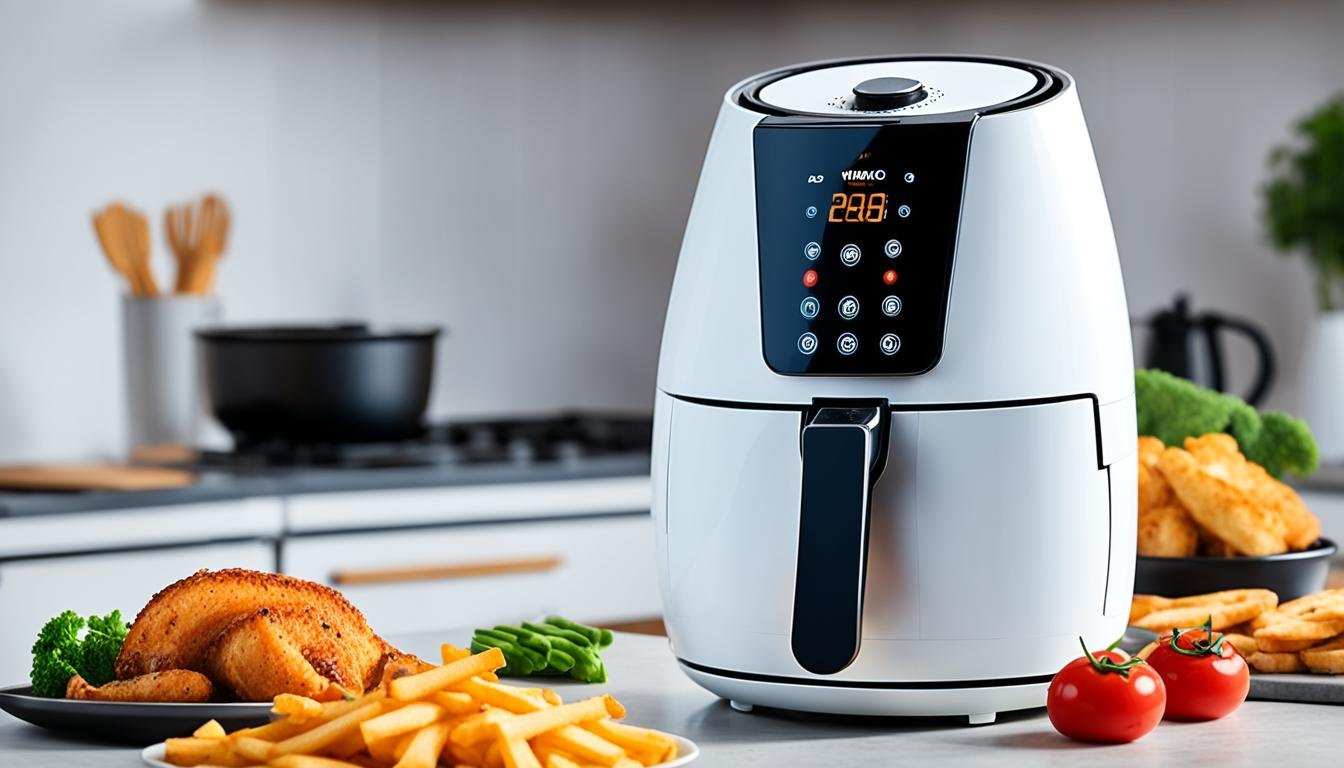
646,679
1329,479
222,485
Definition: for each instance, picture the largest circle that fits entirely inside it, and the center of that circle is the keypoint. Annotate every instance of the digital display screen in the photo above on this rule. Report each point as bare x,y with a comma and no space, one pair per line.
857,207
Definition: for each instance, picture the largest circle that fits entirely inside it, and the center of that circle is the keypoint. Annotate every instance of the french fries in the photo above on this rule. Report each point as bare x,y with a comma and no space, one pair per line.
419,686
456,702
455,714
211,730
645,744
298,707
411,717
197,751
424,747
1302,635
517,754
327,733
536,723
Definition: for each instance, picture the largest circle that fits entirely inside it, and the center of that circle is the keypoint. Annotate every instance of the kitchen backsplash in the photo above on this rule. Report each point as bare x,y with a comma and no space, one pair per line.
523,178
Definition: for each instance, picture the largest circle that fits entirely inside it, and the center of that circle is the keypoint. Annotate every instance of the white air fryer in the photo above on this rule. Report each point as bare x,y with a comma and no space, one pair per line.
894,450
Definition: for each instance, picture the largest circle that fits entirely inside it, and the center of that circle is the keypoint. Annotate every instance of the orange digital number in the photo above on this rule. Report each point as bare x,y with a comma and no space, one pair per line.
837,211
854,211
877,207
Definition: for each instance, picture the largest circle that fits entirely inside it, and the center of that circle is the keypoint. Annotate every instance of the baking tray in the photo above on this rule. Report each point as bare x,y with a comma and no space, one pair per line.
1308,689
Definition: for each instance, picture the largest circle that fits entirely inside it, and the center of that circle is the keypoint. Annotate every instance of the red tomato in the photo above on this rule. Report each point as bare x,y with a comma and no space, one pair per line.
1106,698
1206,679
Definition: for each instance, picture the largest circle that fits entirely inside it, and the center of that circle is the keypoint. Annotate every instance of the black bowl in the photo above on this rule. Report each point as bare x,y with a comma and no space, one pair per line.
1290,575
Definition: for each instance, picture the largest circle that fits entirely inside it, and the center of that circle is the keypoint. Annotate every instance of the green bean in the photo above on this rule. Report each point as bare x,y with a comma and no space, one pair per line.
594,635
560,661
551,630
527,638
556,647
536,660
587,665
514,663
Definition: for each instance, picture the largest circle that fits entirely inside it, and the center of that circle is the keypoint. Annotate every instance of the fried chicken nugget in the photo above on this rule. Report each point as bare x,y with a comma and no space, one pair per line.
1289,630
1218,453
1320,606
1154,491
1220,506
1325,659
1275,645
1276,662
1227,609
1167,531
1245,644
1142,605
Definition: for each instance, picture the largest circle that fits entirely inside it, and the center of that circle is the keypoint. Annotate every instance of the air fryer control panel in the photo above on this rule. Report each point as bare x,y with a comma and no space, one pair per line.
857,227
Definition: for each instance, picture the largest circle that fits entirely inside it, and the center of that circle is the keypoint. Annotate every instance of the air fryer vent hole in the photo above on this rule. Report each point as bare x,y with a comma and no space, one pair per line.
846,104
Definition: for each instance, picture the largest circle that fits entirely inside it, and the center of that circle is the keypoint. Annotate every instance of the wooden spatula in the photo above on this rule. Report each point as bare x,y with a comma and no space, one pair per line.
124,235
197,234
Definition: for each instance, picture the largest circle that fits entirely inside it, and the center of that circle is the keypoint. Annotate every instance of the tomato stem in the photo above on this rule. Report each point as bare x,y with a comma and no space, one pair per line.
1205,646
1105,664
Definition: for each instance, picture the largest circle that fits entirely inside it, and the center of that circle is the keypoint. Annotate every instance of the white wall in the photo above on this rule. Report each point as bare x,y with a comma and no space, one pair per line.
521,173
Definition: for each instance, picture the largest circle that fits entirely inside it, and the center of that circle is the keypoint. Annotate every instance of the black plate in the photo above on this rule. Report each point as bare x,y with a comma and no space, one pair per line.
127,722
1290,575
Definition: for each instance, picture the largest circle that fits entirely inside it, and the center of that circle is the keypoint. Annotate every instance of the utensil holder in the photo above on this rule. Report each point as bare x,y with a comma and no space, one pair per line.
163,389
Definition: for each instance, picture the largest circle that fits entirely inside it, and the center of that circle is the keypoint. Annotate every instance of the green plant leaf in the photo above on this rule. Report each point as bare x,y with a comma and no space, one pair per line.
1304,198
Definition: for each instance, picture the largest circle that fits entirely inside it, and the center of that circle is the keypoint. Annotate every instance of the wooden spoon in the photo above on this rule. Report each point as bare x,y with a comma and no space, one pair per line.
124,236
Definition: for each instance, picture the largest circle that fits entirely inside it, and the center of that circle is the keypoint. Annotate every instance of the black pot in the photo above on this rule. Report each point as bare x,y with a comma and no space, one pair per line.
318,384
1290,575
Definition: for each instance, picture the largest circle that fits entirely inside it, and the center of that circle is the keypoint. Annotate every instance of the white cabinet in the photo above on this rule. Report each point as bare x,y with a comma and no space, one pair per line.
597,569
444,505
413,560
236,519
32,591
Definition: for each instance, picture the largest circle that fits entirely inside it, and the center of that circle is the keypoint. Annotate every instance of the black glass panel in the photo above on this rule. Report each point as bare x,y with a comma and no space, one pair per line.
857,227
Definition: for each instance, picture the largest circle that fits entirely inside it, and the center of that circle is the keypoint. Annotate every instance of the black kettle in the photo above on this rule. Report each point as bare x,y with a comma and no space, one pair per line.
1177,337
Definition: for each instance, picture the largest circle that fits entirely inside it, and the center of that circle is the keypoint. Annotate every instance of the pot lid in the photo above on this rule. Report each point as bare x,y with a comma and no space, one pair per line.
898,87
353,331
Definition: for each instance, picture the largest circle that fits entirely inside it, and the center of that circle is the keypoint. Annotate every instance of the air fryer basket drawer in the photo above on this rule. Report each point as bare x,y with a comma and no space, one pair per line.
987,525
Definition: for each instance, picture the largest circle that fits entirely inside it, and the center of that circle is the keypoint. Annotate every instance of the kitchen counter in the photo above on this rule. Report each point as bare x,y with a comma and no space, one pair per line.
224,485
645,678
1328,478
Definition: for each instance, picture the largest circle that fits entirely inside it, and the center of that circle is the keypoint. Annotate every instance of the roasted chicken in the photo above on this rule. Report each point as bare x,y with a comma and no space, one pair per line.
255,635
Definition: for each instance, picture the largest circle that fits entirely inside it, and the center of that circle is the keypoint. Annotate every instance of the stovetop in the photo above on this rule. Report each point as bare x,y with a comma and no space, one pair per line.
547,448
563,438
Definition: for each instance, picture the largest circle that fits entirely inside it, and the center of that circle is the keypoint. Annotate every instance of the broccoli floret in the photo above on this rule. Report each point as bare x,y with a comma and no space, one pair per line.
1285,444
59,654
1172,409
101,645
55,654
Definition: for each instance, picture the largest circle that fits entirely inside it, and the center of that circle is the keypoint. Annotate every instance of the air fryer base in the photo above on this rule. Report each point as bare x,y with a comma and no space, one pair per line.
978,704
